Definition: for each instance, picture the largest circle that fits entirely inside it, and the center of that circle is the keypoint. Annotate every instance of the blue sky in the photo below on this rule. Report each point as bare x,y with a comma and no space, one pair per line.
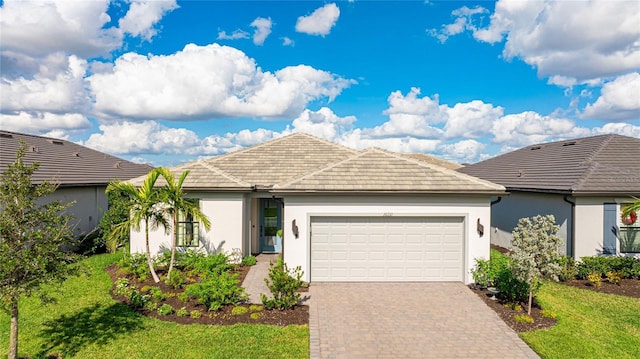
165,82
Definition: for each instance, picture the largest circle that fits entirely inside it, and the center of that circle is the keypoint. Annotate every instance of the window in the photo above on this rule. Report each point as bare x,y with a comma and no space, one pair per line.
188,229
629,232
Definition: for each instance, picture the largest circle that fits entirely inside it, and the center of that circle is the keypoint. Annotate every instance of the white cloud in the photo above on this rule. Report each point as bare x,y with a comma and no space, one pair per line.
463,22
262,30
522,129
598,38
143,15
43,122
204,82
322,123
57,87
320,21
287,41
359,139
619,128
236,35
471,119
619,100
463,151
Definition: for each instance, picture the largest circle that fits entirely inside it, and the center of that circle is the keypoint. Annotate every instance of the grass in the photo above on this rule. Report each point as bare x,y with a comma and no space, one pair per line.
590,325
87,323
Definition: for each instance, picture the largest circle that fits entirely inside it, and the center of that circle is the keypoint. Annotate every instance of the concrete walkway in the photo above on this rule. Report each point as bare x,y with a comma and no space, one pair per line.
407,320
254,283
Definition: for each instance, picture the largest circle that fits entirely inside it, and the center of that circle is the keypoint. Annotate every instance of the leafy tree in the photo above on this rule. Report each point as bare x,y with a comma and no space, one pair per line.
31,238
536,251
144,205
117,213
177,203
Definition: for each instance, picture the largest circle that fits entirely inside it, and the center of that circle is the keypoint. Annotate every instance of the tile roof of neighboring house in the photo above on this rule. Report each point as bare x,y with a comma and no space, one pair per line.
376,170
432,160
605,164
67,163
301,162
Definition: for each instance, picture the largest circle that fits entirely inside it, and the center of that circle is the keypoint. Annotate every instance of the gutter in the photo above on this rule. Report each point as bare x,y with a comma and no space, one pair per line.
573,224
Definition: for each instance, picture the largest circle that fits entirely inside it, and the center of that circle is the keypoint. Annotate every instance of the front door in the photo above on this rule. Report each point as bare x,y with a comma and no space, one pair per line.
270,225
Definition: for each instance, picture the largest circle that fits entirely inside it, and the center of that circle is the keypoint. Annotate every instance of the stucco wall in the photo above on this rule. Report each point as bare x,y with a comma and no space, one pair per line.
506,213
225,212
90,204
301,208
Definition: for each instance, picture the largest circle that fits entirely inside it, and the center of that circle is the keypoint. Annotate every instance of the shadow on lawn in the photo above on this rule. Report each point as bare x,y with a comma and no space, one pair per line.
68,334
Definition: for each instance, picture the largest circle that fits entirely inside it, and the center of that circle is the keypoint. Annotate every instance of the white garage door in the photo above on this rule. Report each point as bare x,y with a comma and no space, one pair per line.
387,248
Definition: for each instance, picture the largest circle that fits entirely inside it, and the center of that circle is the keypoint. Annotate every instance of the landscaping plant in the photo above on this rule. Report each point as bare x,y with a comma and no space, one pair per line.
536,252
217,291
284,285
32,236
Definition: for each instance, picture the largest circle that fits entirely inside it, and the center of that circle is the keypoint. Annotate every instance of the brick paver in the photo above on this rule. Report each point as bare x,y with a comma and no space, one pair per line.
254,283
406,320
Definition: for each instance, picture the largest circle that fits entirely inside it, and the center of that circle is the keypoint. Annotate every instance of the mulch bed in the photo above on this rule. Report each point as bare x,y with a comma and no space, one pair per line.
628,287
298,315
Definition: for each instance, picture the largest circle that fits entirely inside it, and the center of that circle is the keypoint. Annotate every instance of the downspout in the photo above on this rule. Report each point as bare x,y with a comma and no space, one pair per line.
573,224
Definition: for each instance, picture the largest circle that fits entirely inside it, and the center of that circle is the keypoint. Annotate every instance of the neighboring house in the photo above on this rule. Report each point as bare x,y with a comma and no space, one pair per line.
584,183
338,213
82,174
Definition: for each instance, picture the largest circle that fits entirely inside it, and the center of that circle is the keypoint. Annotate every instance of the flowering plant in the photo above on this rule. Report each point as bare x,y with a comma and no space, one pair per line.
630,218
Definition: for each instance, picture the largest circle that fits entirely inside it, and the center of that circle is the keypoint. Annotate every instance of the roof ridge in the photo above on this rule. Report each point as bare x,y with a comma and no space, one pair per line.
222,173
444,169
590,163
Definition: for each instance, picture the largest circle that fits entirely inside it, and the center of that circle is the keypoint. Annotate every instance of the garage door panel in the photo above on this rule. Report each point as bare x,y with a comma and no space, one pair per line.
387,249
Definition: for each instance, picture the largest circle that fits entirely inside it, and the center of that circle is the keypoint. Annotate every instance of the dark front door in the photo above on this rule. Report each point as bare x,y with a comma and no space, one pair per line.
270,225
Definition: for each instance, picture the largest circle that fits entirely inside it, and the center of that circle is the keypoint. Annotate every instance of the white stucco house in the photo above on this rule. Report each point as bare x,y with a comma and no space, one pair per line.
338,213
585,183
82,174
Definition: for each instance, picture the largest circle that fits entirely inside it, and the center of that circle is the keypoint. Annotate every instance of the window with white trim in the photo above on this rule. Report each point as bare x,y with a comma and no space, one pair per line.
629,235
188,229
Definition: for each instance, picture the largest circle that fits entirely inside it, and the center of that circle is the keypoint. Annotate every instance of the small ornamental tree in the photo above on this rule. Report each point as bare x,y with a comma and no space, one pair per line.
535,251
117,213
31,238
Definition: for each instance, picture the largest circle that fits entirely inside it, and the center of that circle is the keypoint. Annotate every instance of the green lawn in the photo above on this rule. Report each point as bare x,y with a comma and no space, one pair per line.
87,323
590,325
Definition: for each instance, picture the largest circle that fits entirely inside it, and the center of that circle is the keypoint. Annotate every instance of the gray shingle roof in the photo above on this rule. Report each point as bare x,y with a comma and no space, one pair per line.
67,163
605,164
301,162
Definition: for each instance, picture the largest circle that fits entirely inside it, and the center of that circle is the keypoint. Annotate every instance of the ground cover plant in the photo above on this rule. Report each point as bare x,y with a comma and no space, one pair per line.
86,322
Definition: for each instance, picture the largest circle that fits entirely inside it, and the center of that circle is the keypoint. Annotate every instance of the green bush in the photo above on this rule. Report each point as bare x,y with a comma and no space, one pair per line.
256,315
568,270
523,318
595,279
136,264
176,280
157,295
548,314
182,312
614,277
284,286
195,314
165,309
249,260
629,267
137,299
239,310
183,297
487,272
204,265
511,289
217,290
122,287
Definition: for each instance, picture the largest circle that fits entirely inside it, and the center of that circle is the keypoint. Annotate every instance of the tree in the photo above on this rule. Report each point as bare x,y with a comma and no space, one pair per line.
536,251
176,204
32,236
145,205
117,213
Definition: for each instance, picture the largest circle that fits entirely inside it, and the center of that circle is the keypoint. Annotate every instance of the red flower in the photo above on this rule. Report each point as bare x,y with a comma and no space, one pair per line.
630,219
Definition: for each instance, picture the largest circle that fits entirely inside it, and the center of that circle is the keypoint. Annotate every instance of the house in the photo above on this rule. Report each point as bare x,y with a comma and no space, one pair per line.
82,174
583,182
338,213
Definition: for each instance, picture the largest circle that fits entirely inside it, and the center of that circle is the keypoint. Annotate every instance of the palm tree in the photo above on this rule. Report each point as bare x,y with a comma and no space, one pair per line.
174,197
145,205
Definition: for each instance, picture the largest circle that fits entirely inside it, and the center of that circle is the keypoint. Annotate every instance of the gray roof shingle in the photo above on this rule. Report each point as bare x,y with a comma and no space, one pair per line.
67,163
605,164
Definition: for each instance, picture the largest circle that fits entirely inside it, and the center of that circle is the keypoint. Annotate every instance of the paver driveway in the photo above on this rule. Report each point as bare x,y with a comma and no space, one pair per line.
407,320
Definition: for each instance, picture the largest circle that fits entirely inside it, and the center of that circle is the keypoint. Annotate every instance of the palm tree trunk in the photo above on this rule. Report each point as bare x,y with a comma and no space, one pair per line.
13,337
174,244
149,261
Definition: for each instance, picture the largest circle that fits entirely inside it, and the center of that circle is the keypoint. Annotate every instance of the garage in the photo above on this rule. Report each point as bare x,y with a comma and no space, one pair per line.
382,248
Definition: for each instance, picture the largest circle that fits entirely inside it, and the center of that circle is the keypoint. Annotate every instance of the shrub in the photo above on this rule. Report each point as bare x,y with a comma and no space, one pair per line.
487,272
146,289
136,264
256,315
523,318
195,314
157,295
513,306
481,273
614,277
568,270
165,309
239,310
217,290
284,286
138,300
177,279
548,314
595,279
249,260
208,265
182,312
150,306
255,308
511,289
122,287
183,297
629,267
